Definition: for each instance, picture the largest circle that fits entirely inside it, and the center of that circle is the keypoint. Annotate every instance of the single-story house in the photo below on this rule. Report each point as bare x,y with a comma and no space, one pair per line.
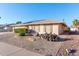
74,28
42,26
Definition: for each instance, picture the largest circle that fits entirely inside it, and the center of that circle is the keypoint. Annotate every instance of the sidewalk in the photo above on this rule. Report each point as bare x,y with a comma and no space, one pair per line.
1,33
10,50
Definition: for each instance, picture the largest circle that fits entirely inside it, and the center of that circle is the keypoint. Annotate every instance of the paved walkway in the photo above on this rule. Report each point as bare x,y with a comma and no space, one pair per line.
10,50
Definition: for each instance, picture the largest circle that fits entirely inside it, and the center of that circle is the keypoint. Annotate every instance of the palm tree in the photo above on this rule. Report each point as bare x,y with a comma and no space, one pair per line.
76,22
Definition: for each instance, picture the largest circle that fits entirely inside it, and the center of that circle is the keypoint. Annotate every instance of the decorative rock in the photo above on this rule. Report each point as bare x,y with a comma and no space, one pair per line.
30,39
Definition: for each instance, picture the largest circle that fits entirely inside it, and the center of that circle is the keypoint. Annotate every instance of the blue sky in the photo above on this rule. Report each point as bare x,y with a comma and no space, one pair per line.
10,13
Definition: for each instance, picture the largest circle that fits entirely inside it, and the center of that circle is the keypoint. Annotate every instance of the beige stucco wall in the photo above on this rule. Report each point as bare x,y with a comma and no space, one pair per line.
37,28
61,28
42,29
48,28
30,27
54,28
17,27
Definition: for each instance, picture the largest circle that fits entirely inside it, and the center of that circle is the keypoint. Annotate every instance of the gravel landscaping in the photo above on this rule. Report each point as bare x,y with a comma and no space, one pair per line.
42,46
70,44
39,45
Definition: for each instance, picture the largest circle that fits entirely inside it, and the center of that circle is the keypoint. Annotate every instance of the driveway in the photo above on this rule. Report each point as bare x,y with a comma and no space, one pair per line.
10,50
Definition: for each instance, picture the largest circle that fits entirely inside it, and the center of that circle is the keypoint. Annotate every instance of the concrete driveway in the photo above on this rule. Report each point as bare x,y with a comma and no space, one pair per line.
10,50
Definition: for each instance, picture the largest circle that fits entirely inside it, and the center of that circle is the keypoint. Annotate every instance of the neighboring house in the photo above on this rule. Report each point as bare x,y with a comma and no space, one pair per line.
42,26
5,28
74,28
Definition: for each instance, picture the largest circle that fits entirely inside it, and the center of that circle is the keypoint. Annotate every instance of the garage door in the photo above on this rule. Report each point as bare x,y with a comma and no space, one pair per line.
37,28
42,29
56,29
48,28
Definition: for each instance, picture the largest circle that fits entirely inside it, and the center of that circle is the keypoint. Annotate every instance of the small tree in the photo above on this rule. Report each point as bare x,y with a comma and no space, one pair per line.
18,22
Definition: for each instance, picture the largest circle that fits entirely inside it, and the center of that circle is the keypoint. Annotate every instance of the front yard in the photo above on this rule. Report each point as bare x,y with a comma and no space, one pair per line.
41,46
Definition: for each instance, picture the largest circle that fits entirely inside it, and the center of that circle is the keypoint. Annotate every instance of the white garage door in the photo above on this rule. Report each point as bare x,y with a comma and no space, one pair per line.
48,28
37,28
56,29
42,29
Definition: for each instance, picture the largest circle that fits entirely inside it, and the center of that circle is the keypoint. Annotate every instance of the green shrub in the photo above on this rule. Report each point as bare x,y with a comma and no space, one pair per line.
26,30
21,31
22,34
